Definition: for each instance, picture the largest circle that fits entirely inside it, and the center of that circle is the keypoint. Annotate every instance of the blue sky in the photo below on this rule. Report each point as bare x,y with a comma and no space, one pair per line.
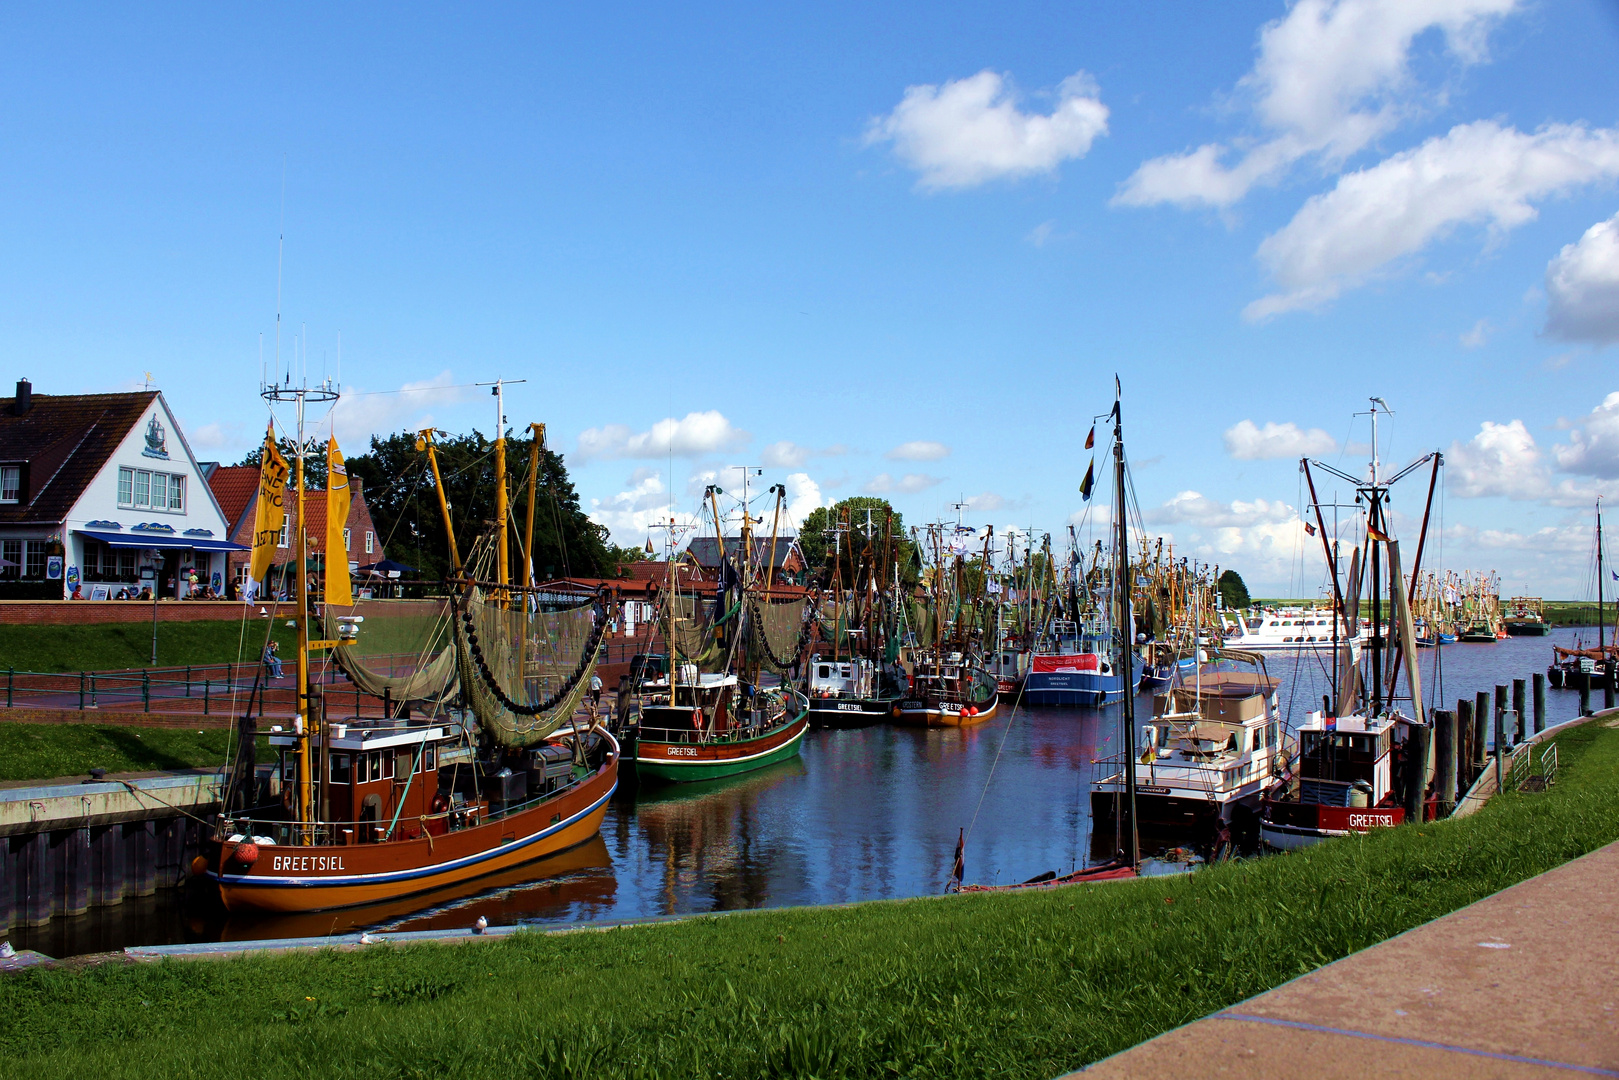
900,251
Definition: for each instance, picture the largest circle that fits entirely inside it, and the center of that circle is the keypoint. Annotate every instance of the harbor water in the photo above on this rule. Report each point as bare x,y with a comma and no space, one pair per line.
862,814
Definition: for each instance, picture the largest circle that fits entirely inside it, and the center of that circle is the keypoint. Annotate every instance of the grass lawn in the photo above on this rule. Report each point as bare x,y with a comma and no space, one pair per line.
41,751
1022,986
105,646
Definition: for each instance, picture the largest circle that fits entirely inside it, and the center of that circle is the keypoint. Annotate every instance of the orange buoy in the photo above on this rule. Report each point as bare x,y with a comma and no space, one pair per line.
246,853
199,866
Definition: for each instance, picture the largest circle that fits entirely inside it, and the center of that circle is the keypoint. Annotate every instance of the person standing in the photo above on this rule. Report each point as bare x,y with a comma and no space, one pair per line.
595,691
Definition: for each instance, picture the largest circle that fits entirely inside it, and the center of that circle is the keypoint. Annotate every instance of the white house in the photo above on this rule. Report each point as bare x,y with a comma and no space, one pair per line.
97,488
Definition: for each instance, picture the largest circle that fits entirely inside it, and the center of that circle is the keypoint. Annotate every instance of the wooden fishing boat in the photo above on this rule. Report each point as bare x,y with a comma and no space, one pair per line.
374,811
1525,617
714,726
1052,880
1343,782
947,690
850,692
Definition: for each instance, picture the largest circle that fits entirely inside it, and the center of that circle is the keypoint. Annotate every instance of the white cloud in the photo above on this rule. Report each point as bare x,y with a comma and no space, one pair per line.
1190,507
694,434
970,131
803,495
214,436
1041,234
1478,173
986,502
1582,287
1331,76
1246,441
632,514
919,450
1594,451
909,484
1501,460
789,455
359,414
1476,337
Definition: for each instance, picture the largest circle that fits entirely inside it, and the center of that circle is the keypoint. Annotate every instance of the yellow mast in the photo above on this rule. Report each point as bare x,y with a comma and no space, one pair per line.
303,726
537,432
424,441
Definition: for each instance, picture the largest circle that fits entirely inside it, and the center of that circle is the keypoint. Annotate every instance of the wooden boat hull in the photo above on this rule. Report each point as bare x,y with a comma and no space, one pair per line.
291,878
917,713
1290,826
685,762
1107,872
1528,629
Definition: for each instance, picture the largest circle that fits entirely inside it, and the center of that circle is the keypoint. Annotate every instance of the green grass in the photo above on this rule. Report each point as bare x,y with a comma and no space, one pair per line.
106,646
42,751
998,985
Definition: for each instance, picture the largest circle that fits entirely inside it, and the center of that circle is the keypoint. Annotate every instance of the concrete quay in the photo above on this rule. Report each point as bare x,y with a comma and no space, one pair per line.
1524,983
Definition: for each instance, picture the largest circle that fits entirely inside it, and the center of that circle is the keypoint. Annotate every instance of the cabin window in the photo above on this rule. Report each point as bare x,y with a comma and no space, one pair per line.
376,765
340,769
388,766
403,763
428,757
1270,735
824,672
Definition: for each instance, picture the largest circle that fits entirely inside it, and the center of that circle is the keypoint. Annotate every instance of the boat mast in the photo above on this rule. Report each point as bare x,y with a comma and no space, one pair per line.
304,720
537,433
1600,627
502,511
1121,593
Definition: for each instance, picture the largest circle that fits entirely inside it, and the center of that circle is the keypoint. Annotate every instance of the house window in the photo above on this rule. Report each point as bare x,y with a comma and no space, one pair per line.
282,540
10,483
370,541
35,559
140,488
11,552
92,561
126,564
347,546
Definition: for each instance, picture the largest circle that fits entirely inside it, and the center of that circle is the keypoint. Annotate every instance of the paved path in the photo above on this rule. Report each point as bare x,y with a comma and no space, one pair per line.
1524,983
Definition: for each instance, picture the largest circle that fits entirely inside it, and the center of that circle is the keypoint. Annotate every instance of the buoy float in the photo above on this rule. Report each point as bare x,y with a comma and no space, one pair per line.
199,866
246,853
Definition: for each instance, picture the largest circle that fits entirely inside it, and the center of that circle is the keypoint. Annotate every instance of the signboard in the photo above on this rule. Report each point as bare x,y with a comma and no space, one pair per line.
53,567
99,592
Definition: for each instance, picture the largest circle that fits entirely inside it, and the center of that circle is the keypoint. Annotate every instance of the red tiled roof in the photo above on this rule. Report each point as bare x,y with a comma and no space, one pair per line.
66,439
235,486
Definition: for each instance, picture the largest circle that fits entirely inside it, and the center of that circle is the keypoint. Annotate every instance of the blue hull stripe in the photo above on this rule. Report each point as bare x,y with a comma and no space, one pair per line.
407,875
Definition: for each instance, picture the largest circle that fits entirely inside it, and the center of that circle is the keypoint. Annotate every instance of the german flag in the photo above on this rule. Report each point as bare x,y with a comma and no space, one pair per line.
1374,533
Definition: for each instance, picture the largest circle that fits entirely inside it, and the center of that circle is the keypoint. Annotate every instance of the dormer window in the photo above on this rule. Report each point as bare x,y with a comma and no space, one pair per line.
10,483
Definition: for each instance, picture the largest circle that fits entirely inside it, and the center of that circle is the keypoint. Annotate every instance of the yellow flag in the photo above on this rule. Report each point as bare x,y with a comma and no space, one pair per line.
272,509
337,516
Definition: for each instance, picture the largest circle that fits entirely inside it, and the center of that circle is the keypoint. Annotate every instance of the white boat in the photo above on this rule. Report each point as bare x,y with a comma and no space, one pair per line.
1288,629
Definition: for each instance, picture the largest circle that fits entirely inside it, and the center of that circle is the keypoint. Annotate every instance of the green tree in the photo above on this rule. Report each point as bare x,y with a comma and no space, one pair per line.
399,491
1233,593
815,536
314,461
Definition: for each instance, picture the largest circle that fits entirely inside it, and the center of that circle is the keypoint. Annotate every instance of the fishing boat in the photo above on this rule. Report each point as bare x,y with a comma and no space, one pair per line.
1071,665
1366,764
949,683
1585,667
1526,617
712,711
948,689
374,810
852,691
856,678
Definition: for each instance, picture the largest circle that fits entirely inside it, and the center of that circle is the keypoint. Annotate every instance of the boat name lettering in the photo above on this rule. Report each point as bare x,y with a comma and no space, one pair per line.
1371,821
683,751
848,706
1148,789
308,862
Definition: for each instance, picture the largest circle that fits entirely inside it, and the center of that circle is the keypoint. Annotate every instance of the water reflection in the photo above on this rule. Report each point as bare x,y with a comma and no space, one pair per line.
864,813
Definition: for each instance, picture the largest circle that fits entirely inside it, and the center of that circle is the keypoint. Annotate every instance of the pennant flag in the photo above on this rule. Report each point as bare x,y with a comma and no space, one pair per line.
271,514
337,516
1090,440
1374,533
1309,530
1089,482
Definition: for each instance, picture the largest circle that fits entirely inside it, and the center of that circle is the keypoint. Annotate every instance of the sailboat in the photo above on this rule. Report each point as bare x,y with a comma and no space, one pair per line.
1366,763
376,809
711,711
1586,668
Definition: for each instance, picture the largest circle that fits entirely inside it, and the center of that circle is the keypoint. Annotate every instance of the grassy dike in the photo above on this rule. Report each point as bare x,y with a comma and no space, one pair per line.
111,646
1018,986
45,751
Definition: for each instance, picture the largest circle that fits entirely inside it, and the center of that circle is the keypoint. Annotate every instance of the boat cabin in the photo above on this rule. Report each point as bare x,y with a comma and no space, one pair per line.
851,677
1346,760
369,780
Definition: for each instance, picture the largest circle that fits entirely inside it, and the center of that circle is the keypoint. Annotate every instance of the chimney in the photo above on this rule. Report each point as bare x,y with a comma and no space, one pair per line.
25,397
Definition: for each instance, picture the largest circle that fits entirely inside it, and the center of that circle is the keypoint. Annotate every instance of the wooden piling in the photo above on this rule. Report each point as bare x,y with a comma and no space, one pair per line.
1467,750
1444,726
1585,697
1418,746
1538,687
1522,725
1607,685
1481,720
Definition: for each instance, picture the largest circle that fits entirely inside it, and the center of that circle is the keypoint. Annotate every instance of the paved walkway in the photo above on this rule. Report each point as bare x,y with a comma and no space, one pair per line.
1524,983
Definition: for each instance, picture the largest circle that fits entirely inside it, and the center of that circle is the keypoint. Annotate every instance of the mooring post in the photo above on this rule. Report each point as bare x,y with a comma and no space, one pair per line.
1444,726
1607,686
1464,741
1585,697
1481,726
188,680
1500,740
206,685
1519,686
1538,689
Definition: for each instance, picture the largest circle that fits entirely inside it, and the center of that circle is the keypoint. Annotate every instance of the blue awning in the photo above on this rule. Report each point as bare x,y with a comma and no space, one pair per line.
162,541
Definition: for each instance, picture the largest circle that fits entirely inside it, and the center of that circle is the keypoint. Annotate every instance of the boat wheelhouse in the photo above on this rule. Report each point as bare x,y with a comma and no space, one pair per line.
1213,747
850,691
1343,781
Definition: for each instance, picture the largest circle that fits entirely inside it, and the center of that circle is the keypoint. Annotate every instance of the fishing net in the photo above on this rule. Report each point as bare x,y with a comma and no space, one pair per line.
780,631
402,651
690,625
526,669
